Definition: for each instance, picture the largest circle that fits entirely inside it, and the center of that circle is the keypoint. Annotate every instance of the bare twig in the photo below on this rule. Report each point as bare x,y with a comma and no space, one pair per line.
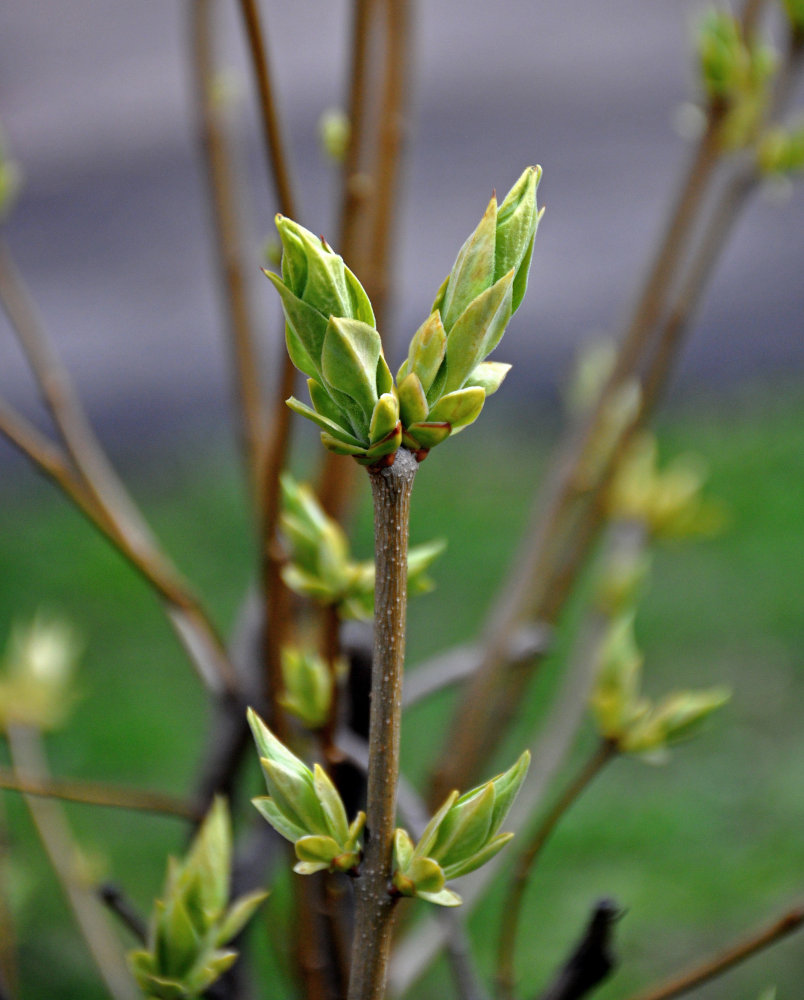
512,905
97,794
87,478
28,756
727,959
391,489
269,115
227,240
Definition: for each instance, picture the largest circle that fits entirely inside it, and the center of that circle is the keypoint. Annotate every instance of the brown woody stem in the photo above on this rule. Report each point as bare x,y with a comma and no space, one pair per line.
391,489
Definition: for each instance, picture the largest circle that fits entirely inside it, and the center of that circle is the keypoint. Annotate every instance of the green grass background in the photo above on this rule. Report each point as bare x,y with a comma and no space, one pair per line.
698,851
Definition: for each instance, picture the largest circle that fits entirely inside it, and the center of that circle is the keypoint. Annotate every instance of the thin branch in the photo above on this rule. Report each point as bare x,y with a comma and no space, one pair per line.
227,240
391,134
28,757
97,794
269,116
512,904
93,485
791,921
391,489
567,523
459,663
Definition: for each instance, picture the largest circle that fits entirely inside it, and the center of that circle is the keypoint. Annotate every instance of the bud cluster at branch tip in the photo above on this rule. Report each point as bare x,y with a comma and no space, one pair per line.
443,383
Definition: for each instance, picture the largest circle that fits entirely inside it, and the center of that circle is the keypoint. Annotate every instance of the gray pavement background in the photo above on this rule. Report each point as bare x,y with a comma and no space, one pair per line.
111,229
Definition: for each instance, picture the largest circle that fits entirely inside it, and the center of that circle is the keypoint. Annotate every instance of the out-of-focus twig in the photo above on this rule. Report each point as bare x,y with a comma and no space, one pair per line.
567,523
275,149
28,757
791,921
86,476
97,794
228,242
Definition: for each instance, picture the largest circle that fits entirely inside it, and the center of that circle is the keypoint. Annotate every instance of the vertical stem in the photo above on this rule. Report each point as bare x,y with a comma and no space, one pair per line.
391,489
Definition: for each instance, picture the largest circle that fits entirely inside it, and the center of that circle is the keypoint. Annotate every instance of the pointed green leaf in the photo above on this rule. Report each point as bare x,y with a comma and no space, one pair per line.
426,351
426,875
269,810
317,848
485,854
403,850
477,332
308,328
349,361
385,380
336,431
459,408
506,789
473,271
295,797
465,828
489,376
238,915
517,221
323,403
332,804
339,447
444,898
355,830
430,832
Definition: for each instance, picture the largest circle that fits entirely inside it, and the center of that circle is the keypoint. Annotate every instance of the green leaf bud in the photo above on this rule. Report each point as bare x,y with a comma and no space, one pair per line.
412,400
459,838
334,130
473,270
781,151
477,331
426,352
308,684
459,408
305,807
384,418
332,805
517,222
616,702
37,673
